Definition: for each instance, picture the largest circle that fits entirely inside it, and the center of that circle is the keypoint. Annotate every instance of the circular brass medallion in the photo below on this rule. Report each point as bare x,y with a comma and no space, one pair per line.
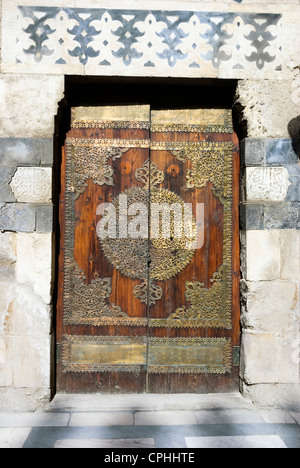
173,236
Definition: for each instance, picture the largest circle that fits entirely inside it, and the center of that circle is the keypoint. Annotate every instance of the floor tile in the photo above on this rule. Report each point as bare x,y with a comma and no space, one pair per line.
291,441
13,437
105,443
163,418
274,416
34,419
174,441
102,419
296,416
147,402
228,417
272,441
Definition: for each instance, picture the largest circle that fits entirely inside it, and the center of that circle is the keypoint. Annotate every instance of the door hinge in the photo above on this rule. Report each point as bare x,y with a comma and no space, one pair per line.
236,356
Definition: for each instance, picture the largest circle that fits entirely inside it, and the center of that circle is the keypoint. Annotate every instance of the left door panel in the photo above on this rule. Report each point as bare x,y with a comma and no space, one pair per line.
103,275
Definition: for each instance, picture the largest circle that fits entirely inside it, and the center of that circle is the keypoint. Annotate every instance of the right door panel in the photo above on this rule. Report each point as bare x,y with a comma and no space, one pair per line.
193,315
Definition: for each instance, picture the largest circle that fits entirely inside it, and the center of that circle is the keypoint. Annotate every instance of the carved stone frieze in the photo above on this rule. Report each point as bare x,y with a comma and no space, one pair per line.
156,42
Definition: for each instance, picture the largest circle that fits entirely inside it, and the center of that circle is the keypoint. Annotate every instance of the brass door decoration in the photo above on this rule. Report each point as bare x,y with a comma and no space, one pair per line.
147,307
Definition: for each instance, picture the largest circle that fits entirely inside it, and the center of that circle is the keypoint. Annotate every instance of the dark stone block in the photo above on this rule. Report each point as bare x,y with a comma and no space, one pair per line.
17,217
293,193
282,151
47,152
6,174
284,215
6,194
44,218
26,151
253,152
252,217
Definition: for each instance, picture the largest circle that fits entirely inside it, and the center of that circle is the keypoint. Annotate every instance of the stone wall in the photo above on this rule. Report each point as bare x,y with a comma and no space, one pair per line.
270,240
255,43
28,107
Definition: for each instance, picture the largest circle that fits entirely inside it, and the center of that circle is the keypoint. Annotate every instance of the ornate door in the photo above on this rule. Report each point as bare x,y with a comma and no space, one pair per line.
148,295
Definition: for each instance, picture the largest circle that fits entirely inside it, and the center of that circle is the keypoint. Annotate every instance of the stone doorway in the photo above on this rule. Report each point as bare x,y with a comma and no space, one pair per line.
185,95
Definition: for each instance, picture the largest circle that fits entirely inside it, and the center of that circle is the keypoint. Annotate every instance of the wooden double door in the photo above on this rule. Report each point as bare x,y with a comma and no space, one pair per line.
148,295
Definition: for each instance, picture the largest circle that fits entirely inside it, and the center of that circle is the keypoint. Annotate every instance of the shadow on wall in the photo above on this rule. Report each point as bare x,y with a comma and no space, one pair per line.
294,132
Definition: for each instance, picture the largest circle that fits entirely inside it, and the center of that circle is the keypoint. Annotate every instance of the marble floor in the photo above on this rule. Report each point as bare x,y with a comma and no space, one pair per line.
151,422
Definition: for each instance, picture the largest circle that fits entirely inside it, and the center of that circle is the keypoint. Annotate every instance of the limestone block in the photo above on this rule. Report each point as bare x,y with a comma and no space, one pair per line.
24,399
31,366
282,215
253,151
273,395
6,173
290,254
5,304
22,311
184,41
267,183
6,194
8,252
34,262
6,359
259,358
26,152
281,151
29,315
293,194
291,35
252,216
288,361
262,255
267,107
17,217
271,306
29,104
44,218
32,185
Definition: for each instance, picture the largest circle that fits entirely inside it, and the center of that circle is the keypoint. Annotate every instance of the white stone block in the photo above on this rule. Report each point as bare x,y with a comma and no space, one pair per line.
31,362
271,306
22,311
29,104
262,255
273,395
8,253
289,358
29,314
23,399
8,247
290,254
34,263
5,307
32,185
141,42
259,358
6,360
268,106
267,183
